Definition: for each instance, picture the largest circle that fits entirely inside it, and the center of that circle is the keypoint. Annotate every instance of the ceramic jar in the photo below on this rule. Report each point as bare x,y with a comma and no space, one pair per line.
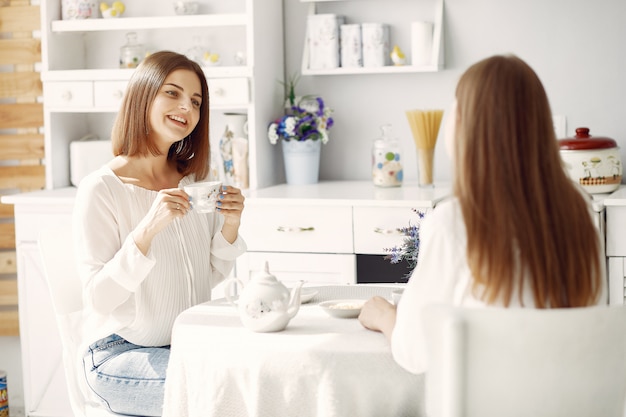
592,162
386,160
79,9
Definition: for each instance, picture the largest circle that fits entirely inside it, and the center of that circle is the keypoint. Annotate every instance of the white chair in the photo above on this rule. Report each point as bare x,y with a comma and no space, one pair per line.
59,266
525,362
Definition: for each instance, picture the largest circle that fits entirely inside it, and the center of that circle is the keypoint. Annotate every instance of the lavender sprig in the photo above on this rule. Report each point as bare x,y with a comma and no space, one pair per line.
409,250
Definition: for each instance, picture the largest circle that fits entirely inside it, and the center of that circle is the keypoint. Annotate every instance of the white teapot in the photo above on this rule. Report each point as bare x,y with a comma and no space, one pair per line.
265,304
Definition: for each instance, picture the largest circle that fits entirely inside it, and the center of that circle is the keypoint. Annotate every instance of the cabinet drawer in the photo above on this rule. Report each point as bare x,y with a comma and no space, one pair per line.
72,94
376,228
298,229
290,268
229,91
108,94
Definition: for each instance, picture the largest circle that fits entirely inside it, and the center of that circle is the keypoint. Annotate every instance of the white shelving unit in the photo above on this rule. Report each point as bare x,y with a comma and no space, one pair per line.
83,85
437,51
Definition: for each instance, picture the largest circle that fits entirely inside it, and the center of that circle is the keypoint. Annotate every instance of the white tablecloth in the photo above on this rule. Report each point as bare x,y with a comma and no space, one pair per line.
318,366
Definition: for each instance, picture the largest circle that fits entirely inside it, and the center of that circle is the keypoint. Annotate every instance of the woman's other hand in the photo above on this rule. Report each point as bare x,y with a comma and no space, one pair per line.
230,203
379,315
168,205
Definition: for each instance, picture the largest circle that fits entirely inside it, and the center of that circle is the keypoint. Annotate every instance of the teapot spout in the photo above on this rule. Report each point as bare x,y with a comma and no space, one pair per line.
294,301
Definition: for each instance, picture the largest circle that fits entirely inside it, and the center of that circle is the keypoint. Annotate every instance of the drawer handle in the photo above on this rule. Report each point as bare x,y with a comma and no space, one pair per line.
218,92
66,95
382,231
117,94
294,229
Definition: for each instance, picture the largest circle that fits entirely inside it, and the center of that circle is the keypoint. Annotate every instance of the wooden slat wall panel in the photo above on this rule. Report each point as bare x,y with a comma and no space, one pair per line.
8,263
9,323
19,19
21,147
7,235
8,292
21,143
21,115
20,51
6,211
20,84
25,177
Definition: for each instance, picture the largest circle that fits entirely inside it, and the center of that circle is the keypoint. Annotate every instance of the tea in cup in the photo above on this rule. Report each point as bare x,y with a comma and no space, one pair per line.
204,195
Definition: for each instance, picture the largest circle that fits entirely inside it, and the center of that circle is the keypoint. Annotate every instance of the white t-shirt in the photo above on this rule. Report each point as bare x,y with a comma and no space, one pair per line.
135,296
442,275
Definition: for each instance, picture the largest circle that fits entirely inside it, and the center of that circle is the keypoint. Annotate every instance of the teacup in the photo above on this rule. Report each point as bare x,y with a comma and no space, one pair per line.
204,195
396,295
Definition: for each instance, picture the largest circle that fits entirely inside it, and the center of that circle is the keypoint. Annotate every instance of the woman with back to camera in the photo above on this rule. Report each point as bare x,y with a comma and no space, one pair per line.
144,255
517,232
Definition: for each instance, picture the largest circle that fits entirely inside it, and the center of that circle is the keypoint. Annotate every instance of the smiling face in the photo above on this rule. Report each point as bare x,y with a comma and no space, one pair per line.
175,111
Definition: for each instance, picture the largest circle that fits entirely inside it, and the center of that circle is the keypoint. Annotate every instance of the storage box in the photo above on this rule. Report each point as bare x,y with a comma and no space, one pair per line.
87,156
323,40
375,44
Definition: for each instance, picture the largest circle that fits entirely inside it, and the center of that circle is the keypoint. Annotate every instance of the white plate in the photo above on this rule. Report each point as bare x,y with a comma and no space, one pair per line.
345,309
307,294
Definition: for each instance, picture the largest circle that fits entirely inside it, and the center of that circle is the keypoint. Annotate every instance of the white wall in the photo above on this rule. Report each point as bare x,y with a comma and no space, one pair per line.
577,47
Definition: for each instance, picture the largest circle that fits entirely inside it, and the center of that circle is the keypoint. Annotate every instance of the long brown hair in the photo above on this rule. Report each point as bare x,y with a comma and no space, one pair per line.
130,130
525,219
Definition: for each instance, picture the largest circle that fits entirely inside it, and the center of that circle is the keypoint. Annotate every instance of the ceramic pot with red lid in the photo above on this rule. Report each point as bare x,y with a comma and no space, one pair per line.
594,162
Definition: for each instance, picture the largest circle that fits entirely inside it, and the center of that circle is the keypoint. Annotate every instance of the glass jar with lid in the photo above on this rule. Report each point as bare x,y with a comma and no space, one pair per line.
132,53
386,160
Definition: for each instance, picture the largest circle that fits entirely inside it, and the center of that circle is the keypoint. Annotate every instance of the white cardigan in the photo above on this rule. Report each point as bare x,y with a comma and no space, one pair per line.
136,296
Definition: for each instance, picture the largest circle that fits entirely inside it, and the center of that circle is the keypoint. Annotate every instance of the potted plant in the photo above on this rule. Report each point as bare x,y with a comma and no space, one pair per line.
302,130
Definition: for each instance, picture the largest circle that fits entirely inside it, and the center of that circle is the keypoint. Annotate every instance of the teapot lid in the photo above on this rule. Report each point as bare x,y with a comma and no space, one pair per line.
265,276
583,140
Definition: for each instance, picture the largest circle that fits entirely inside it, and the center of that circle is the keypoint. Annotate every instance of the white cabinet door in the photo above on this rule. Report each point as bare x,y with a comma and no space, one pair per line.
45,389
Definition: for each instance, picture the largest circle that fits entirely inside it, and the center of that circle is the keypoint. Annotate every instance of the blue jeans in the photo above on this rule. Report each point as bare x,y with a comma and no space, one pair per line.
129,379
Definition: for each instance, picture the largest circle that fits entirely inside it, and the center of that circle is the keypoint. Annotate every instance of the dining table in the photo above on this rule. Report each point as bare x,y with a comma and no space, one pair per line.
318,366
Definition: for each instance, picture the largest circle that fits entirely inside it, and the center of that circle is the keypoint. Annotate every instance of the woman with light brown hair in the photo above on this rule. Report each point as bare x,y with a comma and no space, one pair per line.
144,253
517,232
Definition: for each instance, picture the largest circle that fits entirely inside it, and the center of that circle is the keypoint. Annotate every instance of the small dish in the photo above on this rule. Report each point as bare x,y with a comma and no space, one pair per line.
345,309
307,294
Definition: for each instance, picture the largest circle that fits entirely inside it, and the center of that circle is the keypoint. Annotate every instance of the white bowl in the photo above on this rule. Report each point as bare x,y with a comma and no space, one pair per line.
345,309
183,7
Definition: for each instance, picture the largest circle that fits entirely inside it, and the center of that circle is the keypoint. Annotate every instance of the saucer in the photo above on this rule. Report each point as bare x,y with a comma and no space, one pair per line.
345,309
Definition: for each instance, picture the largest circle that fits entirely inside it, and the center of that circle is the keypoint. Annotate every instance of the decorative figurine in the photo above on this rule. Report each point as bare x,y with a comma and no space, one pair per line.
116,9
397,56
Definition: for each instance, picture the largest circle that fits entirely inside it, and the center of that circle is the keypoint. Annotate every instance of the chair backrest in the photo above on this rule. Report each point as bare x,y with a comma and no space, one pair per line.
57,253
485,362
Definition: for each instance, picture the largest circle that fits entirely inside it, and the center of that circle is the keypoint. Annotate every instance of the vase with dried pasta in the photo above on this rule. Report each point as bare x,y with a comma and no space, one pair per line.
425,129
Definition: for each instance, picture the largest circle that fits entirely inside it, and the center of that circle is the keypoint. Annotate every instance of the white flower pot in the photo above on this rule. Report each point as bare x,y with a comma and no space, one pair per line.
302,161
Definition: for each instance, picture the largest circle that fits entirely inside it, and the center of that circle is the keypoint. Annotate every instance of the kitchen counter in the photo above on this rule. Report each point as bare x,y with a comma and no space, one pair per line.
340,193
